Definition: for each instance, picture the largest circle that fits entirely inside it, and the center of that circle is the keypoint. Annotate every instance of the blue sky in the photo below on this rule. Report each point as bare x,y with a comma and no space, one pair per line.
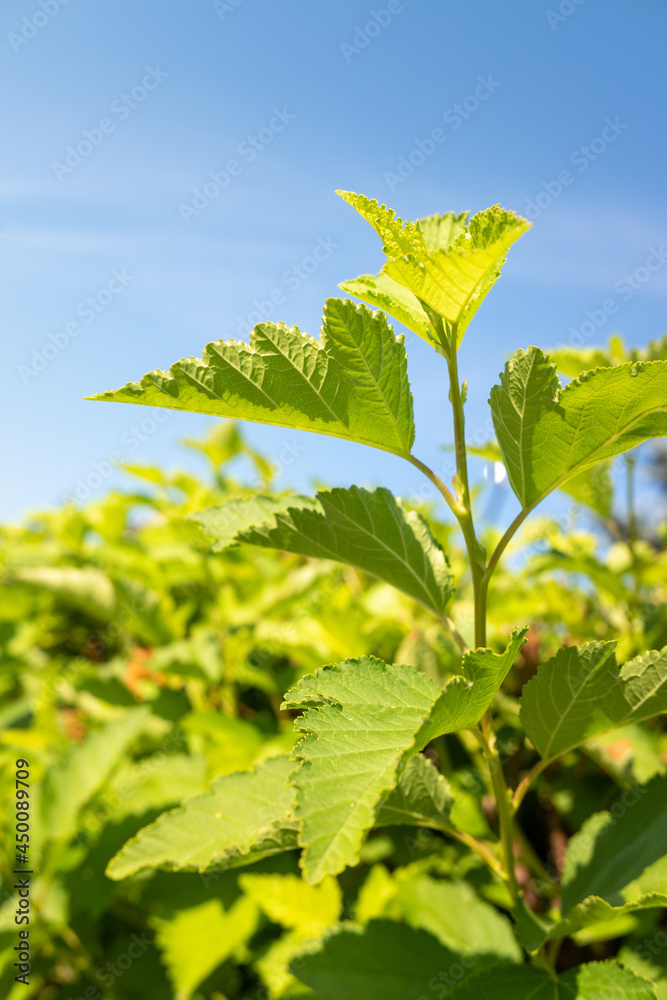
103,259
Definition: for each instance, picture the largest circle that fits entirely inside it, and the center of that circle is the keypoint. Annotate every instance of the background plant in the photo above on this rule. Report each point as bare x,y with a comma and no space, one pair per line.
430,846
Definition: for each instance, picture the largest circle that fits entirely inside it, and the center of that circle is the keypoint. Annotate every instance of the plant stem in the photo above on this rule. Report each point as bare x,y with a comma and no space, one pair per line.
437,482
477,846
461,507
503,805
630,486
526,782
475,553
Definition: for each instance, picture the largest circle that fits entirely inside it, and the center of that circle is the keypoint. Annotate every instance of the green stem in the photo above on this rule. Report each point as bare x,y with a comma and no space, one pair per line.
437,482
481,575
480,848
475,553
477,846
630,485
526,782
503,805
504,542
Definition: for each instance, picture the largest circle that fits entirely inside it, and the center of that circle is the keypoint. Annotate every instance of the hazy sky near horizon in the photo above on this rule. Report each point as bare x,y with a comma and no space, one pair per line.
168,177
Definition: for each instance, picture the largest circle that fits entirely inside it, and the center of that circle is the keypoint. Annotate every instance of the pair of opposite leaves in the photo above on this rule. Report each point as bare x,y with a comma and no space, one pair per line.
352,382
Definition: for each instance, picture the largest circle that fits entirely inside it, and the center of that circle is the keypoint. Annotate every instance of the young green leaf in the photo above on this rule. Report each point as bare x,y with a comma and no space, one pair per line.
305,911
246,816
360,720
440,231
581,692
467,696
352,383
196,941
384,293
549,434
389,961
422,797
398,237
454,280
371,531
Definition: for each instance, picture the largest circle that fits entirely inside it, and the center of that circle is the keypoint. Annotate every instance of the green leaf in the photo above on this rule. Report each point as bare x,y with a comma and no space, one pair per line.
197,940
649,964
245,817
398,237
352,383
456,916
384,293
440,231
384,961
622,855
370,531
617,862
595,912
388,961
306,911
289,901
581,692
467,696
422,797
227,522
71,783
549,434
593,486
454,280
360,720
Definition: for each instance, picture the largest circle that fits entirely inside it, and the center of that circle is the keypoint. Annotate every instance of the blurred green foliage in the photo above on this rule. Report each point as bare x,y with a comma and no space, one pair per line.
135,666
